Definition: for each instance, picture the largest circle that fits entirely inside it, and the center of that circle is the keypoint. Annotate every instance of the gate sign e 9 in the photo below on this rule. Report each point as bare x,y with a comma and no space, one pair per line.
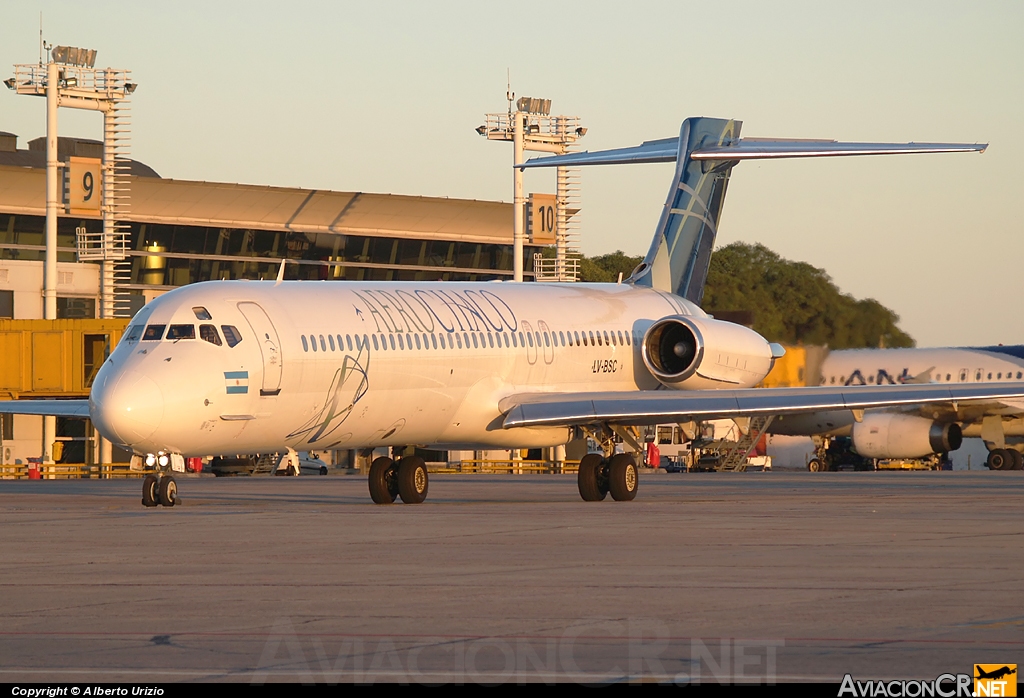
84,190
542,219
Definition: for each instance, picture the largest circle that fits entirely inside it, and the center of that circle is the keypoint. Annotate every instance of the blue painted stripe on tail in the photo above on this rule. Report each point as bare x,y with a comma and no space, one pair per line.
681,250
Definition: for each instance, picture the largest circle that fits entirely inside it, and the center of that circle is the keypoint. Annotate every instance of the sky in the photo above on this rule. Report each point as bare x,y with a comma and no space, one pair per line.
385,97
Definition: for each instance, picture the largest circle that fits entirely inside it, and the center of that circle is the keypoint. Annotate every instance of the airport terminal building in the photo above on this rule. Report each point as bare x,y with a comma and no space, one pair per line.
183,231
188,231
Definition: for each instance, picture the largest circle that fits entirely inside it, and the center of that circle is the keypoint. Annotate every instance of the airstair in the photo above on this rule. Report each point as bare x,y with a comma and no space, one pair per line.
736,458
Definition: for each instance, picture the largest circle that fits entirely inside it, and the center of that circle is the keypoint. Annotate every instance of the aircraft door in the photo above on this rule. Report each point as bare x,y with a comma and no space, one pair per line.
270,346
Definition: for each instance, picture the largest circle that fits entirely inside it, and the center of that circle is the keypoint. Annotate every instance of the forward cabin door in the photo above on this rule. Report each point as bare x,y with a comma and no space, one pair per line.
270,346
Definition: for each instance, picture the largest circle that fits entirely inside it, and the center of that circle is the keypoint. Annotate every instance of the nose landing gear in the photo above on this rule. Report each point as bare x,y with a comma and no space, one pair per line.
158,488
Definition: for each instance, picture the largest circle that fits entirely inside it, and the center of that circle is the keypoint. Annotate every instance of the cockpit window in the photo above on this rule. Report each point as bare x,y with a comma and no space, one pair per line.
202,313
209,333
231,335
154,333
176,332
133,333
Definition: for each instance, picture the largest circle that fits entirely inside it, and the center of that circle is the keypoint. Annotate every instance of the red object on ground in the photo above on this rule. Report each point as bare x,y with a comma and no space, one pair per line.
653,455
194,465
761,447
33,472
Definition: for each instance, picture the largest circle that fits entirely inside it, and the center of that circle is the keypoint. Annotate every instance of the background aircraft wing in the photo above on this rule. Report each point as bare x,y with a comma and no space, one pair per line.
46,408
669,406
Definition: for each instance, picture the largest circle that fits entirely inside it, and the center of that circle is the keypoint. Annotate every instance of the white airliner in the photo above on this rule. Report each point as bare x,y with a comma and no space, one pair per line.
230,367
921,431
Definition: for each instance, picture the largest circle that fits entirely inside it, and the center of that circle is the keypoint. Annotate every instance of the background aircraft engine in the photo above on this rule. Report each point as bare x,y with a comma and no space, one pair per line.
893,435
698,353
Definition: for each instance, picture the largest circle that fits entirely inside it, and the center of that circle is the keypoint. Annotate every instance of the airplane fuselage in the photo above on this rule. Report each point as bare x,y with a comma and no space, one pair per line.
324,365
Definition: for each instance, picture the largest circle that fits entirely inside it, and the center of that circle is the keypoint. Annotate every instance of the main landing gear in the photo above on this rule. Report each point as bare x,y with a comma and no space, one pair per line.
598,476
406,479
158,488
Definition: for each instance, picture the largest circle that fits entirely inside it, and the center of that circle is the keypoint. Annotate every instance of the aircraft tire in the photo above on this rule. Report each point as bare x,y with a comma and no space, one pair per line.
999,459
622,477
383,481
412,480
589,478
1018,459
292,471
814,465
168,491
150,496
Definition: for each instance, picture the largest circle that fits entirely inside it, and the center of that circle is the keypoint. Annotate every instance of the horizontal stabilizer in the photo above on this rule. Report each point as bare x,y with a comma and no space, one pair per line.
664,150
757,149
674,406
46,408
667,150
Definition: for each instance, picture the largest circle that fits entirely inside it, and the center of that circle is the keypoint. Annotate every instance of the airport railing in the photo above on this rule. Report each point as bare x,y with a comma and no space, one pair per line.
506,467
68,471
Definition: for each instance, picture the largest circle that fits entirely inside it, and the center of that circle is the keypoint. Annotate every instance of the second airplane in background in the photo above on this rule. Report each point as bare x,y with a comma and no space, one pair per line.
925,430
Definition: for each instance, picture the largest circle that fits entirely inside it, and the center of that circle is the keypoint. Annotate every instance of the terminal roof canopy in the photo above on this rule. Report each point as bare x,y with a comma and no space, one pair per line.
184,202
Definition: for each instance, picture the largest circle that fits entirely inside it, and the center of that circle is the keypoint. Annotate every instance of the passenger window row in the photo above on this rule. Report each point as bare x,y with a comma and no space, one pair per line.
938,378
465,340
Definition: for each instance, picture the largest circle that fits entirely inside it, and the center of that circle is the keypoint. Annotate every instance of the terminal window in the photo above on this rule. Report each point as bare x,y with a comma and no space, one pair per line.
7,304
76,308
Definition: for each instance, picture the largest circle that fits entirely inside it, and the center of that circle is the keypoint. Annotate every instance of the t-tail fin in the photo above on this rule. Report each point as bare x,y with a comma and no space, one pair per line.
681,250
705,153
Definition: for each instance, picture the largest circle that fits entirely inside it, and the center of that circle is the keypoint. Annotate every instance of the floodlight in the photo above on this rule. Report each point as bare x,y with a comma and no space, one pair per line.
129,87
10,82
482,130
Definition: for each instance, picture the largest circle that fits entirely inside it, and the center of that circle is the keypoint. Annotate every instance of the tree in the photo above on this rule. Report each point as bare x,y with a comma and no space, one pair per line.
794,302
607,267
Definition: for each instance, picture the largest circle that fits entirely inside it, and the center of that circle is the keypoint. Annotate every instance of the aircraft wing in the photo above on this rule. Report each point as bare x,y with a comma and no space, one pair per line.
46,408
667,150
671,406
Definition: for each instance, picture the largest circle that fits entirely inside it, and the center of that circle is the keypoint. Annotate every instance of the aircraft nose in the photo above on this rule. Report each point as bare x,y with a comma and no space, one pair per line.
129,409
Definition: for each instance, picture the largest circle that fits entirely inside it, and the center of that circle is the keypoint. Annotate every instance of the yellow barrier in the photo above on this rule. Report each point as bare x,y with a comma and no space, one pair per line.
70,471
508,467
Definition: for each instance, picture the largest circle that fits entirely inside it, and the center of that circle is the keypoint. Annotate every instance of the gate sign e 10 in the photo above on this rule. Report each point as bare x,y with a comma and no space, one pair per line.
542,219
84,189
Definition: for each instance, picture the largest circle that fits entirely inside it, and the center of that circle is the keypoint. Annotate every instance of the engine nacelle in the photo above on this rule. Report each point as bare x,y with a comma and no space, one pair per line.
700,353
894,435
